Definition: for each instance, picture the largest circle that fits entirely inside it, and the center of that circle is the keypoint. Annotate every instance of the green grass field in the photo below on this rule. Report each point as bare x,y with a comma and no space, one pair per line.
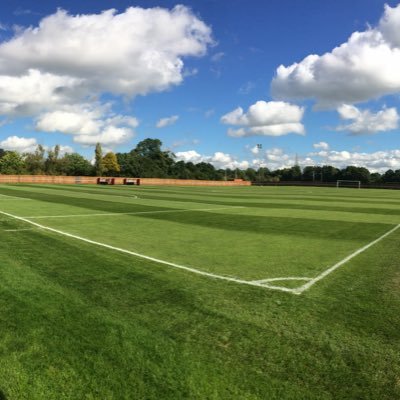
199,293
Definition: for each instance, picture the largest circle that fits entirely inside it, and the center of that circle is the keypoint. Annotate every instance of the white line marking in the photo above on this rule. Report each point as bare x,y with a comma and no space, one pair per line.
297,291
156,260
18,230
289,278
131,213
307,285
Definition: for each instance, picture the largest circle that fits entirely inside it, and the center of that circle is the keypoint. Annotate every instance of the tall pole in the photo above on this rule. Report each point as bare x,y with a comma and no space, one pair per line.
259,147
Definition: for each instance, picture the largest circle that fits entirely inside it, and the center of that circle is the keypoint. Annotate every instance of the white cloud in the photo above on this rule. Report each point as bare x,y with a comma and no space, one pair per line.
34,91
218,159
274,118
379,161
367,122
66,149
69,60
189,156
247,87
217,57
111,135
89,124
321,145
276,158
365,67
20,144
163,122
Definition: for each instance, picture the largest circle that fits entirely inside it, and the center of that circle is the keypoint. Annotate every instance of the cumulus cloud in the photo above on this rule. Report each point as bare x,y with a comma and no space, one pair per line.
378,161
367,122
89,124
276,158
321,145
274,118
70,60
20,144
218,159
163,122
66,149
134,52
365,67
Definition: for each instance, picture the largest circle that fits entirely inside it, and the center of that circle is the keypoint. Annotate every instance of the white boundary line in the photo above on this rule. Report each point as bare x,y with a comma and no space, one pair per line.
313,281
289,278
132,213
18,230
156,260
298,290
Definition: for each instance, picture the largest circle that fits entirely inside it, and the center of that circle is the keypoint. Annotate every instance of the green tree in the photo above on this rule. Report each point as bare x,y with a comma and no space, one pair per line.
355,173
98,161
376,177
35,162
250,174
263,174
181,171
151,161
110,164
12,163
75,165
52,166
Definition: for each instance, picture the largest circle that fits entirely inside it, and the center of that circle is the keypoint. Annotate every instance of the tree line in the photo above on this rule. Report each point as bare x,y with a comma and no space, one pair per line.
149,160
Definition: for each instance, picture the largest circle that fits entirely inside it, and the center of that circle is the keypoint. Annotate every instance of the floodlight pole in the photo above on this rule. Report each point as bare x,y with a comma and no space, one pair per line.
259,147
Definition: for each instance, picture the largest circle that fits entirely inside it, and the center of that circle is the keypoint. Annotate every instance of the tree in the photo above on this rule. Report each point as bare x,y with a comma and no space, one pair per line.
12,163
150,161
52,162
263,175
329,173
181,171
355,174
35,162
110,164
250,174
75,165
98,162
376,177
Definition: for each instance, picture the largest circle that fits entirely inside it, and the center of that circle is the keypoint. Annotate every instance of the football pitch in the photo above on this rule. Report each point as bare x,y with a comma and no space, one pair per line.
199,292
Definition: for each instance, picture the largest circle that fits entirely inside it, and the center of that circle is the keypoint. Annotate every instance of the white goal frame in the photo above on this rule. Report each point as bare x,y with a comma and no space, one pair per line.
338,182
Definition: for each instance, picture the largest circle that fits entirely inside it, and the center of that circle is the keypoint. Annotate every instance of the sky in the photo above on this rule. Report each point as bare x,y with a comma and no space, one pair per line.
239,83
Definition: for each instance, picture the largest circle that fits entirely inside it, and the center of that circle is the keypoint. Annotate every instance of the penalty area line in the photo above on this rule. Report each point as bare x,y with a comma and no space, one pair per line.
156,260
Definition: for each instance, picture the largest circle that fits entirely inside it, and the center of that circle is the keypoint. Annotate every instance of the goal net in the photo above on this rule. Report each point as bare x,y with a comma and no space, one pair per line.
350,184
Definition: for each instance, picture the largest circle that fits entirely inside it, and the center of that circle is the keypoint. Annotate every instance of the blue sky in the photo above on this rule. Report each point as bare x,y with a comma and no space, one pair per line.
203,77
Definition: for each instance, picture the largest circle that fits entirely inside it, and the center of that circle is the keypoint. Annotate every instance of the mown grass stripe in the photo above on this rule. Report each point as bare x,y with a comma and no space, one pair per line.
156,260
345,260
131,213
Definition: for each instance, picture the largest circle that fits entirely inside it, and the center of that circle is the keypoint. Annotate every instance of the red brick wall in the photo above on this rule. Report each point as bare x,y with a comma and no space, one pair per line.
45,179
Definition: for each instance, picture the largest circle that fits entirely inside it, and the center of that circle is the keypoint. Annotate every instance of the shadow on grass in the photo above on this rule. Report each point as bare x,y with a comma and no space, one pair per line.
2,395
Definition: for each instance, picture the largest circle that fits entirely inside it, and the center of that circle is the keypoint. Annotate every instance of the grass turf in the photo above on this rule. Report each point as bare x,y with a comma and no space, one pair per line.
78,321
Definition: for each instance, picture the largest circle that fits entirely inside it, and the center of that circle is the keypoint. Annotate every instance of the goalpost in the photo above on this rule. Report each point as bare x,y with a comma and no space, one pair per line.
347,183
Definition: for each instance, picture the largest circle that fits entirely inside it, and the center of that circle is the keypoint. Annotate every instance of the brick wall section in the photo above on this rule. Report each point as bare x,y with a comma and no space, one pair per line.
47,179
